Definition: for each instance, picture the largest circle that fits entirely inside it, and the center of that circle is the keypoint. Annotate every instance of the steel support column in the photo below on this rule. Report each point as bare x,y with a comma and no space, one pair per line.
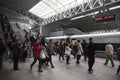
40,29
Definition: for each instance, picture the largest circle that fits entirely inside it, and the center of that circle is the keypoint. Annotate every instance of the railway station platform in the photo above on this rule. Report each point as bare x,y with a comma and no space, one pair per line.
62,71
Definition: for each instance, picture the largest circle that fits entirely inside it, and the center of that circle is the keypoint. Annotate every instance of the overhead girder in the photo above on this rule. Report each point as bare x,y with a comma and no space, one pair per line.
85,8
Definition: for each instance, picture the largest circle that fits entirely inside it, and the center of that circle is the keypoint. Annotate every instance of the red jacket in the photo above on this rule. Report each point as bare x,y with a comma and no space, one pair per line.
36,51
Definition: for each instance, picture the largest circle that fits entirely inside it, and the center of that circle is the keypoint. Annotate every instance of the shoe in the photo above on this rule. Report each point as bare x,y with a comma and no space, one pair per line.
90,71
40,71
77,62
52,67
68,63
47,64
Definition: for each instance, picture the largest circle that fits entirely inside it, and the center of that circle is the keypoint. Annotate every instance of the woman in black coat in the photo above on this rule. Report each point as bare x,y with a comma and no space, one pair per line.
16,54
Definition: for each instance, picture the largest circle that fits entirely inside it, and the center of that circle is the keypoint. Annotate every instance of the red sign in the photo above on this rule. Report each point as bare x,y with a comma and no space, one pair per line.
105,18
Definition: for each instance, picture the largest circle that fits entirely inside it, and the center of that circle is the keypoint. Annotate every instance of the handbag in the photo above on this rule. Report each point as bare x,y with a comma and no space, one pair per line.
67,52
42,55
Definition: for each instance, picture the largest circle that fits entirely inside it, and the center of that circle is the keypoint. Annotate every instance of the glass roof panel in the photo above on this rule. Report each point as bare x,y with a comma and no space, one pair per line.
40,9
48,8
65,2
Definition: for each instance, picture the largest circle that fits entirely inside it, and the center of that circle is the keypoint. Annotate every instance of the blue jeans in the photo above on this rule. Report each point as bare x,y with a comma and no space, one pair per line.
1,62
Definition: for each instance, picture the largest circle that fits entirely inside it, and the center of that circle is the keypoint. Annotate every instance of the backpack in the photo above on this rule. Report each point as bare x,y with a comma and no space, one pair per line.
76,48
86,49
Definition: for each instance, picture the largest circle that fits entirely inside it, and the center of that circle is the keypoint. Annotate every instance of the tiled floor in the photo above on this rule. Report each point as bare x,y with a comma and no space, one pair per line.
61,71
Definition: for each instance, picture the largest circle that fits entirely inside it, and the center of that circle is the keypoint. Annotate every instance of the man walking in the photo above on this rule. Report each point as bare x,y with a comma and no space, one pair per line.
16,54
109,54
79,51
91,55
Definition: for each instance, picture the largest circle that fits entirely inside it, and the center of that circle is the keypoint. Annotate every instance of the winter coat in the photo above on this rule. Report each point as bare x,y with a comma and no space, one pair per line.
80,51
50,48
61,48
36,51
90,50
42,42
109,49
15,47
69,49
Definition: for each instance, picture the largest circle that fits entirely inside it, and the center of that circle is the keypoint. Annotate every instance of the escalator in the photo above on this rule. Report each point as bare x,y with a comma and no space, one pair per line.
18,31
4,28
7,27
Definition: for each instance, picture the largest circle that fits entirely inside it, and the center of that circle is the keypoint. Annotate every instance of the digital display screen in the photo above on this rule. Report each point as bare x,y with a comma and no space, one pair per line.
105,18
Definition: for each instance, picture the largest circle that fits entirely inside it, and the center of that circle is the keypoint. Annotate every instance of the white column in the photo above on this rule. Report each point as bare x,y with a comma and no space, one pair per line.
40,29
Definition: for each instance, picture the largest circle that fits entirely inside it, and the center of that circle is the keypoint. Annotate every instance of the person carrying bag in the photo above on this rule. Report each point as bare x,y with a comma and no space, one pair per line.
42,54
67,52
36,55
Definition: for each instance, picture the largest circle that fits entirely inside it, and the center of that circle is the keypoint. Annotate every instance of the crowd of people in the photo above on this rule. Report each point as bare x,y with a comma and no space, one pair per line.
39,45
44,50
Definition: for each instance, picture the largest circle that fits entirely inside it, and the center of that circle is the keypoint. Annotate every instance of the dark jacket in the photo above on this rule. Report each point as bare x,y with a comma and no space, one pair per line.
32,39
61,48
42,42
15,49
2,48
91,50
84,45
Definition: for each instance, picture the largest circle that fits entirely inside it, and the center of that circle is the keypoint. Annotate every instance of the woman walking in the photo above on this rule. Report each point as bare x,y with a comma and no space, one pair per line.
36,55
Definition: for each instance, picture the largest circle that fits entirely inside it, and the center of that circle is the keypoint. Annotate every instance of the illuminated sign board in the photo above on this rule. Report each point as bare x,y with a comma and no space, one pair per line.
105,18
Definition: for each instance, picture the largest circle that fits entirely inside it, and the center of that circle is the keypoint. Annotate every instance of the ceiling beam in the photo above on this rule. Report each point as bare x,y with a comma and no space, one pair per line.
81,10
